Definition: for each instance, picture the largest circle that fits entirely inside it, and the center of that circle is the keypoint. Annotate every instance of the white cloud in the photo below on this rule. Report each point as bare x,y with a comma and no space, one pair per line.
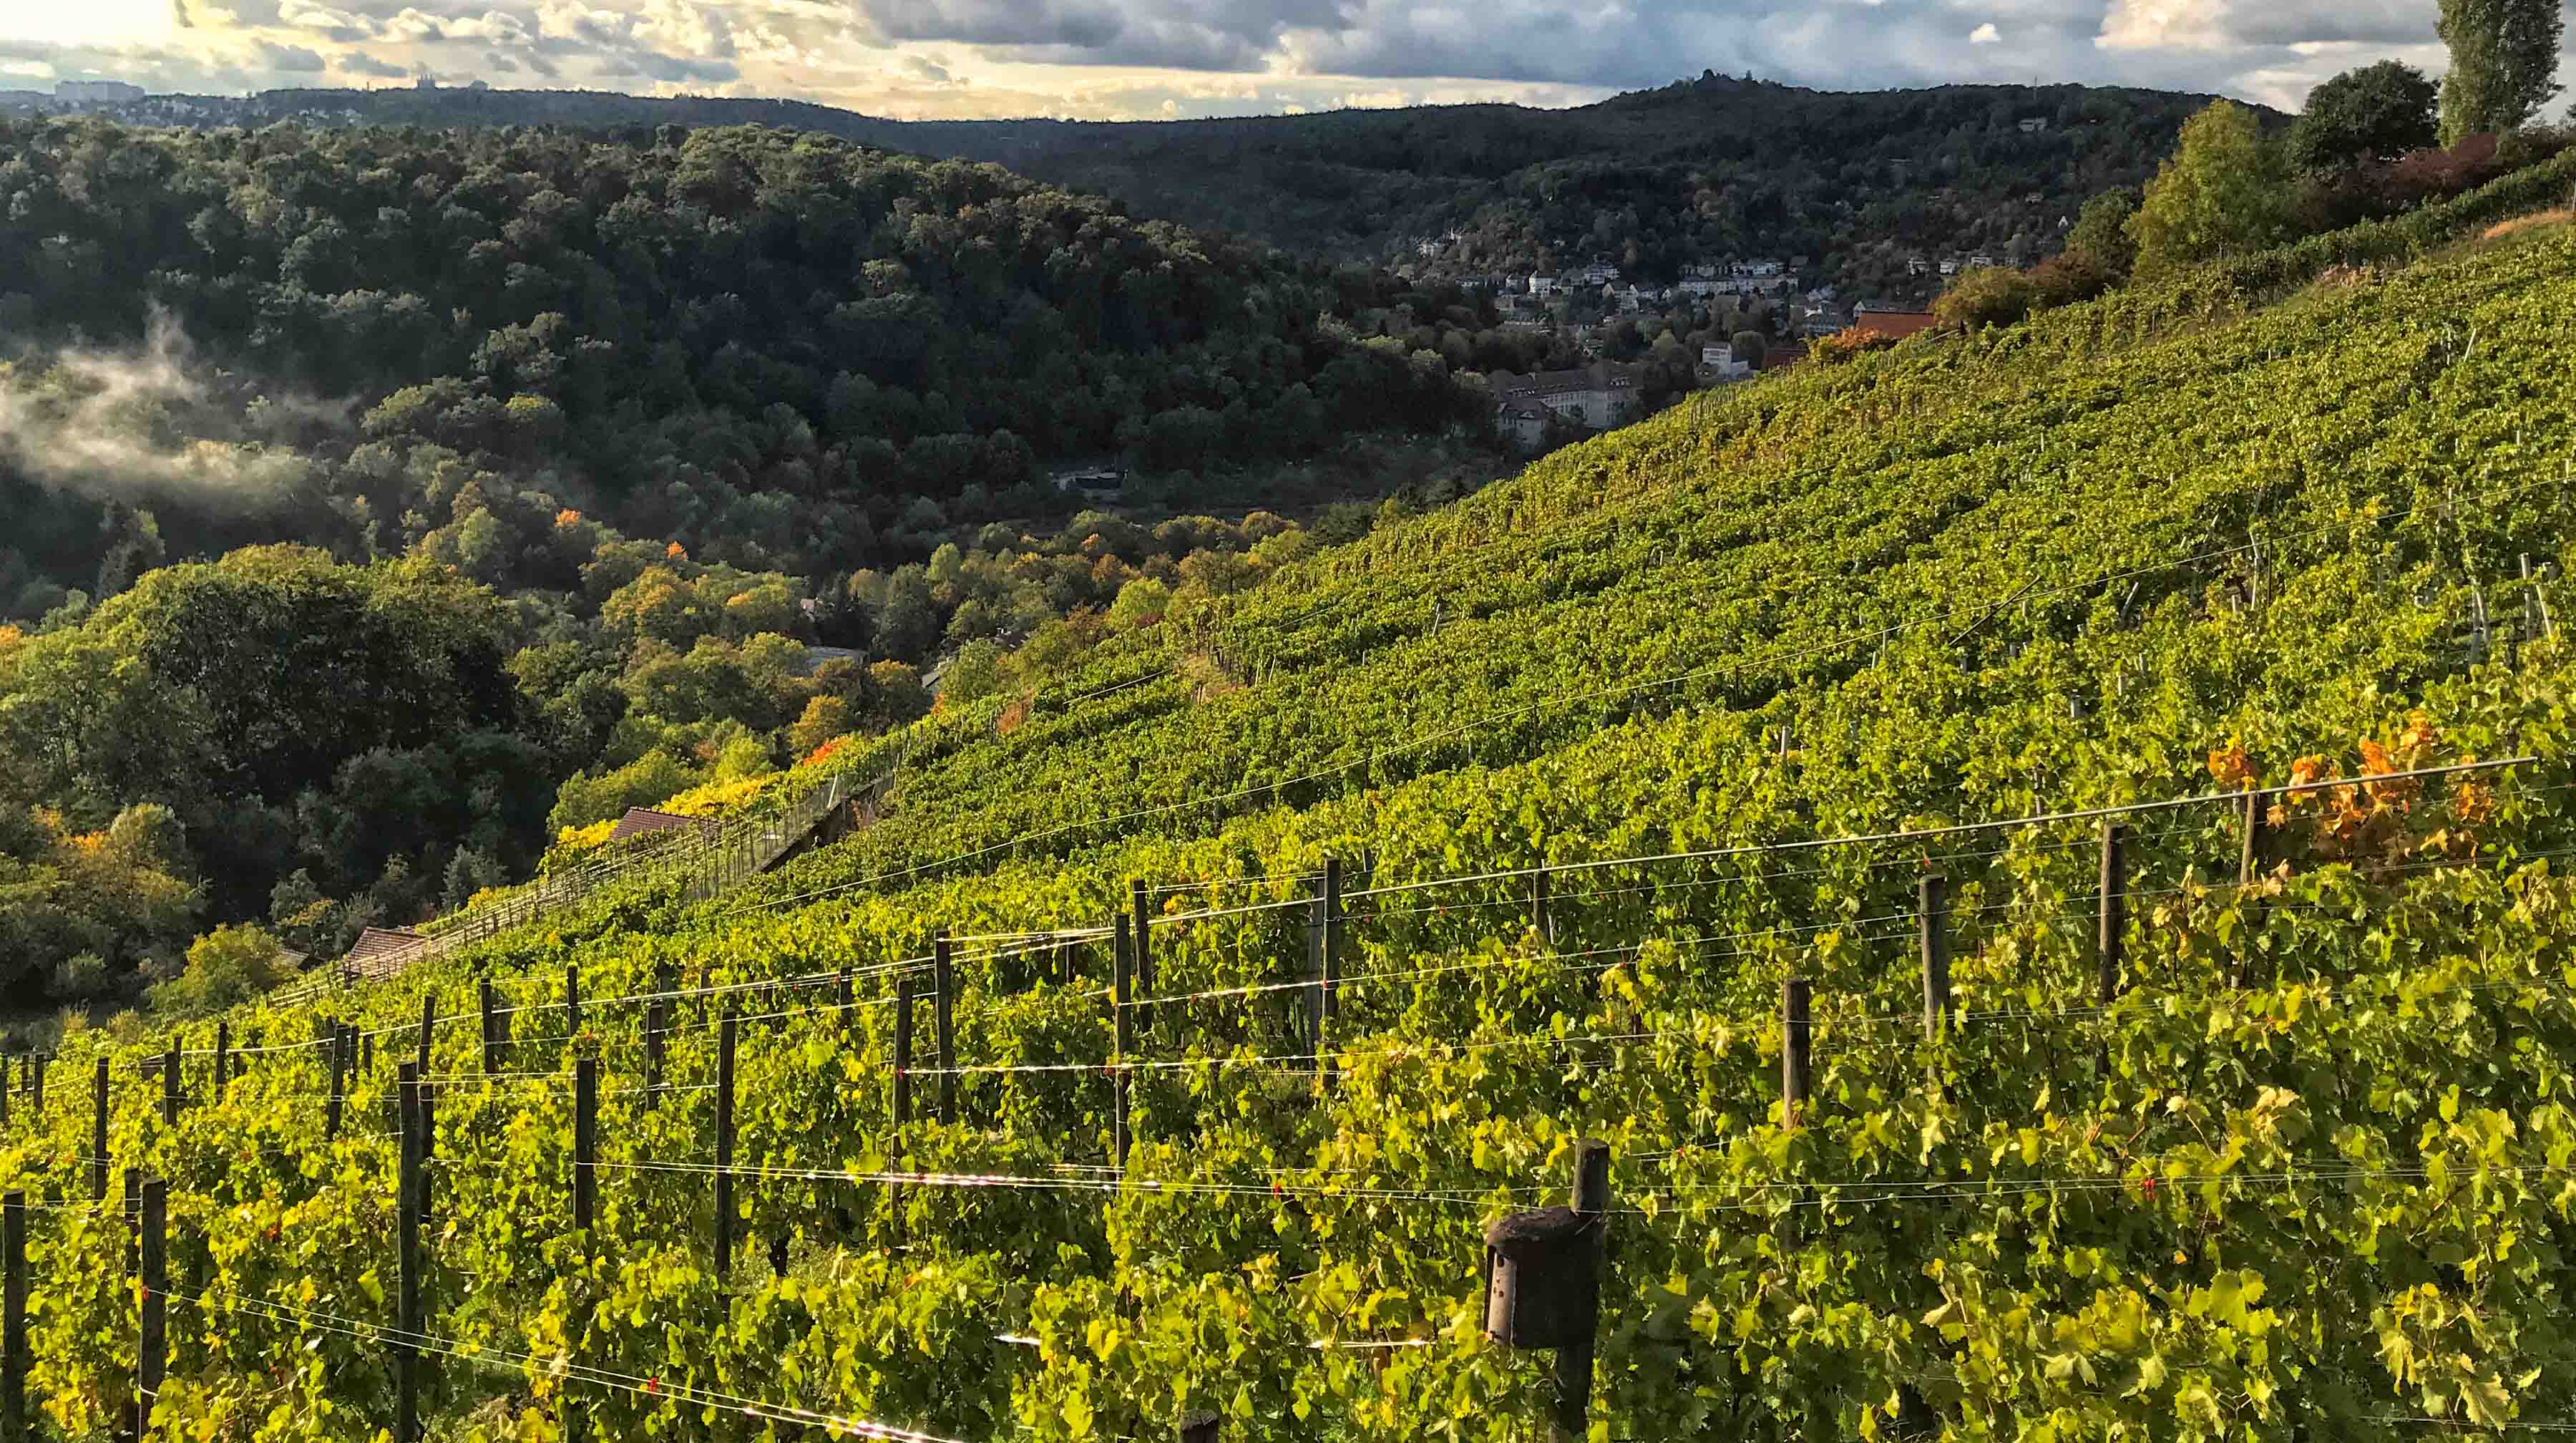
1986,34
2164,25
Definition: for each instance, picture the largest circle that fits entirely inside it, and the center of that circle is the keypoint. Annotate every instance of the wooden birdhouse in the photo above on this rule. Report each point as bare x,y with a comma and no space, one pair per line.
1543,1277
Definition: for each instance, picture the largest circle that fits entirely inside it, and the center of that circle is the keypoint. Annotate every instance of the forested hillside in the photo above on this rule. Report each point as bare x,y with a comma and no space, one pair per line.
2216,1129
1699,170
588,442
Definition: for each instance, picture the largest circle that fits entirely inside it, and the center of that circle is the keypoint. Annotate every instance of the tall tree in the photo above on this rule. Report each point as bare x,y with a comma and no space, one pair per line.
2221,193
2504,63
2377,112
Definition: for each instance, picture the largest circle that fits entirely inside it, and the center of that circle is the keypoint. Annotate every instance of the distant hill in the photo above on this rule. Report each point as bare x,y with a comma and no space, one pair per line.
1855,182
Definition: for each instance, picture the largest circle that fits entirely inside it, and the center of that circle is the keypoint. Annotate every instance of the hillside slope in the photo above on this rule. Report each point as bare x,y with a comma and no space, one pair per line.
1697,170
2296,1172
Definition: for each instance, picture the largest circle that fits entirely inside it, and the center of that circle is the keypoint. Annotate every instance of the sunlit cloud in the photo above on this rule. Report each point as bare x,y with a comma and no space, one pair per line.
1129,59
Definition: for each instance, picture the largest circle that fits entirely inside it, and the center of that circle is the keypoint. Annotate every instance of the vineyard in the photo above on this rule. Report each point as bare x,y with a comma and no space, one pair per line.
2042,858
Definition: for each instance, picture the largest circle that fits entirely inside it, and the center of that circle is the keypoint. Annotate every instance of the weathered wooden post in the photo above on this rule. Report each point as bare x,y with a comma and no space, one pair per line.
724,1146
1797,1048
98,1134
1932,909
943,1019
1543,1284
1122,1023
13,1318
153,1356
2114,910
585,1149
170,1097
572,1001
491,1028
407,1224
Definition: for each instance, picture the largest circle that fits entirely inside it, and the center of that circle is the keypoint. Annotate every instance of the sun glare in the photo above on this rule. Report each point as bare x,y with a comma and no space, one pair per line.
90,22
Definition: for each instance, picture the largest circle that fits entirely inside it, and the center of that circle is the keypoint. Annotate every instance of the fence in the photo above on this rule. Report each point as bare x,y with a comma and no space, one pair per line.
713,860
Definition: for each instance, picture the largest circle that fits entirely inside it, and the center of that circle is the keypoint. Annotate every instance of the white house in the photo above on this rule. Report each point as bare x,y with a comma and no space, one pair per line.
2037,125
1597,397
1542,284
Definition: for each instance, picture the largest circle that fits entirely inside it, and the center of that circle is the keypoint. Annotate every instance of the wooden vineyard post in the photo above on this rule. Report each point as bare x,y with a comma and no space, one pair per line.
1574,1359
13,1318
1140,933
428,1030
1328,976
2249,870
656,1019
170,1097
572,1001
904,997
842,998
153,1357
1797,1048
491,1030
98,1134
1199,1427
1542,916
2114,911
223,1056
407,1220
1122,1024
724,1147
36,1091
366,1051
1933,910
943,1021
4,1091
585,1149
331,1113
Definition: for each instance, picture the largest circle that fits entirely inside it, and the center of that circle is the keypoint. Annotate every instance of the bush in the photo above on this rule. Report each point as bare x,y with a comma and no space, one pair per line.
226,967
1986,296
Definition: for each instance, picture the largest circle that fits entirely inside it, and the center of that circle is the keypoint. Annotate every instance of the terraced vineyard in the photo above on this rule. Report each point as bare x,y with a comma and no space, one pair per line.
1603,758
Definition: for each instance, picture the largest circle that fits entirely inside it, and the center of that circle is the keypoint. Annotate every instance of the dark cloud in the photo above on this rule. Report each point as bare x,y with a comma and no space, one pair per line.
1073,25
359,62
289,59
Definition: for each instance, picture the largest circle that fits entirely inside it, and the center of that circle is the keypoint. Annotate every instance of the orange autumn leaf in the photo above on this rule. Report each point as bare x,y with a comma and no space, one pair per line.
676,552
2231,766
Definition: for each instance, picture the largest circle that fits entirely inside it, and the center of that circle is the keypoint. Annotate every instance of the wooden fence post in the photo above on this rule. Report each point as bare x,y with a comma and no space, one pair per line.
2249,870
572,1001
842,997
153,1359
491,1030
223,1057
1574,1359
585,1149
943,982
905,994
331,1114
1932,907
1328,980
98,1134
4,1090
13,1318
1141,931
1797,1048
170,1096
36,1094
1122,1025
724,1146
2114,911
407,1222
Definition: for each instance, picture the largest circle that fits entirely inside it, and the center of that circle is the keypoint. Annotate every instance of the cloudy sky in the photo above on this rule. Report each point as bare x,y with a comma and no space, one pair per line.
1111,59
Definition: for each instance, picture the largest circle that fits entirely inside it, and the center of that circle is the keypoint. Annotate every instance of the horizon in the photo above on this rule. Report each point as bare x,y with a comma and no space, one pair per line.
1200,59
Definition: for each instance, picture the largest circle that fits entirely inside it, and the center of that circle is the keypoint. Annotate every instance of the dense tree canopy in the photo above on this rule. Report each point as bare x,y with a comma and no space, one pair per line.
2376,112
